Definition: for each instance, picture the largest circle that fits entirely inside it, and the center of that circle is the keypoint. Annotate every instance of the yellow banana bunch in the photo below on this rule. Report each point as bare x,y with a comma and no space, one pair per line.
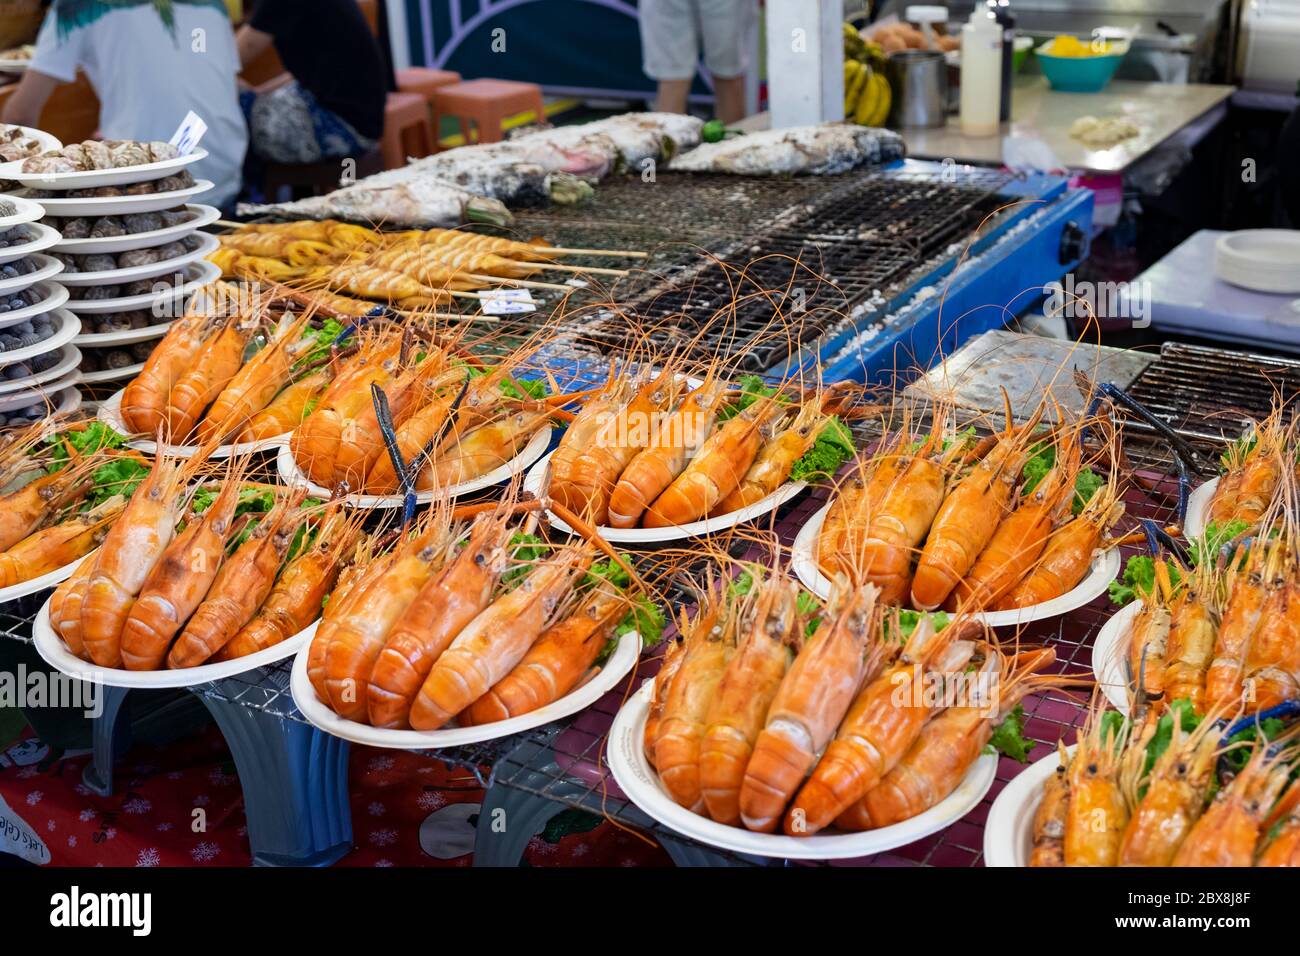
855,81
872,105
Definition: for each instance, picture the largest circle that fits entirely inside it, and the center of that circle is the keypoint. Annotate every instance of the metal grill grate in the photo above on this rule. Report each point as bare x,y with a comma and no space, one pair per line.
814,262
1210,395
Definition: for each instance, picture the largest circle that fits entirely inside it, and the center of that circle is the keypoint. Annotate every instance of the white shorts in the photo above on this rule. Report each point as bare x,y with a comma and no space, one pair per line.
672,31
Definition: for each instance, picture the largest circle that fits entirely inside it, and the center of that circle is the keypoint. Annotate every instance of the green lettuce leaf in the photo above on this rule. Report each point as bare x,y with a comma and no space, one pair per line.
1009,736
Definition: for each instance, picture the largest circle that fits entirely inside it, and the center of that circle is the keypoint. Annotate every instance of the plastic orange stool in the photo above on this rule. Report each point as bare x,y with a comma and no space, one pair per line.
407,132
485,103
425,81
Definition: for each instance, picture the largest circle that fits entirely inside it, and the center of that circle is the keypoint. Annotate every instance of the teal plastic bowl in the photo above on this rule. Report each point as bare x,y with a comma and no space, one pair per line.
1079,74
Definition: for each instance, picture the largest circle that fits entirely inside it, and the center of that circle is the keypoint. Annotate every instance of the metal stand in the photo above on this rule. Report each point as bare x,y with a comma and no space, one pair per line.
512,815
295,782
697,854
110,736
508,818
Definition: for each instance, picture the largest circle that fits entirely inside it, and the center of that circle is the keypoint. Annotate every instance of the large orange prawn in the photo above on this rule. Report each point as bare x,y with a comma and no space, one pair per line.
496,640
814,695
968,517
127,557
749,683
881,726
440,610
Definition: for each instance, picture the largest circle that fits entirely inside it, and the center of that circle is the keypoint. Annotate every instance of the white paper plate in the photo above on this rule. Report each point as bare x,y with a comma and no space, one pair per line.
197,275
66,327
63,396
1263,260
128,337
1105,565
51,647
41,237
695,529
173,266
639,781
1198,508
69,359
47,267
203,216
122,205
53,296
1009,829
47,141
110,412
26,210
321,716
111,374
124,176
17,66
292,475
1110,655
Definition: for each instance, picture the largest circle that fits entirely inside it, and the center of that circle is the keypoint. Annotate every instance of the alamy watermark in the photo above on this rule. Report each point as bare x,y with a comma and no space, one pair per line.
40,689
1102,300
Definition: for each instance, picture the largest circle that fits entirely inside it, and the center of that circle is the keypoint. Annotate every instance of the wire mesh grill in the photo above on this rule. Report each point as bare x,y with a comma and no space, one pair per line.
815,262
1210,395
729,255
16,617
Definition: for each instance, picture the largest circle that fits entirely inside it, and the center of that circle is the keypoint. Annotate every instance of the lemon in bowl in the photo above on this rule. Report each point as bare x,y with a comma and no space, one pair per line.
1080,66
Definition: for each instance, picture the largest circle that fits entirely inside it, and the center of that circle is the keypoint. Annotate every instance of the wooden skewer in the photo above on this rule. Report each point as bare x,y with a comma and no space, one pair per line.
556,267
454,316
624,253
522,283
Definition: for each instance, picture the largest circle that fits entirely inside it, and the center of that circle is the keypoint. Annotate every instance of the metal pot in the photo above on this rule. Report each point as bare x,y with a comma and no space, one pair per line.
919,79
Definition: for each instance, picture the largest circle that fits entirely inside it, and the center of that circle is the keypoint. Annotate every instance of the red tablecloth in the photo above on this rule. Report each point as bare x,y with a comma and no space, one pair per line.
407,810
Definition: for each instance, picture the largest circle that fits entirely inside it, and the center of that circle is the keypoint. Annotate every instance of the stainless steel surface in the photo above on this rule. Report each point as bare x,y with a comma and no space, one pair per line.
919,79
1026,366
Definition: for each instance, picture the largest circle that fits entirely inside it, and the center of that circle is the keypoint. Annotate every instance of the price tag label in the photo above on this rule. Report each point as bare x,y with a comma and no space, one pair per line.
507,302
188,134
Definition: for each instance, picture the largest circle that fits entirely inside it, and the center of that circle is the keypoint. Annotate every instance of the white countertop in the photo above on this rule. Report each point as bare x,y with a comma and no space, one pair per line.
1159,110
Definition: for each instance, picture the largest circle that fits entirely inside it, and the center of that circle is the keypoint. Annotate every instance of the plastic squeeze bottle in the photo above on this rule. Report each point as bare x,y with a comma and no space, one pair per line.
1002,13
981,74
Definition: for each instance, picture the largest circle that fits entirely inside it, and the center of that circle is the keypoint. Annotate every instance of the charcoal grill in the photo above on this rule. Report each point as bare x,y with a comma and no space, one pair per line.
830,259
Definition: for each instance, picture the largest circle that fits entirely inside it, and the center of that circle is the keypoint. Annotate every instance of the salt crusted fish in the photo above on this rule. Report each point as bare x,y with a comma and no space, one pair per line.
800,150
418,203
634,137
534,167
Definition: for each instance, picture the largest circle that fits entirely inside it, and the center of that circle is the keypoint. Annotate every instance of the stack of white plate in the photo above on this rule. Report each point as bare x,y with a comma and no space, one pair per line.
1263,260
38,360
129,260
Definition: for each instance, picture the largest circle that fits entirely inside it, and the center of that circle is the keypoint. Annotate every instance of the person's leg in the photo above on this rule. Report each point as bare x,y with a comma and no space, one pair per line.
729,98
672,96
670,47
725,29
